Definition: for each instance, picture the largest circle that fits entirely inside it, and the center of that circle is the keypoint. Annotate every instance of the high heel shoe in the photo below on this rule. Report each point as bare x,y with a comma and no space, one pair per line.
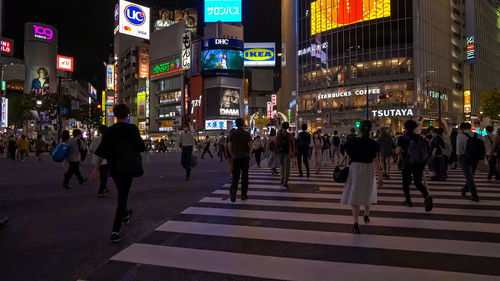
355,229
367,219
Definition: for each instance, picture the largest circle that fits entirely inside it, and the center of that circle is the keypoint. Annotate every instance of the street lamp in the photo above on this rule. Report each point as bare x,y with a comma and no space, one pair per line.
39,102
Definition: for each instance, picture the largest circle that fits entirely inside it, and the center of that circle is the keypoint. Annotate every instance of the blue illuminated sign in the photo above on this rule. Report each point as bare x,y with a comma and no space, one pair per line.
135,15
223,10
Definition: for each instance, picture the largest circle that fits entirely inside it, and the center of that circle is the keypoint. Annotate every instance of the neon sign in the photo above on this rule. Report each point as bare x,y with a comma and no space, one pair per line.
43,32
167,68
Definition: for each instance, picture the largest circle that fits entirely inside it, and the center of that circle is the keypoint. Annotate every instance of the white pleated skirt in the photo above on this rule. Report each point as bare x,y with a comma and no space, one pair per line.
361,186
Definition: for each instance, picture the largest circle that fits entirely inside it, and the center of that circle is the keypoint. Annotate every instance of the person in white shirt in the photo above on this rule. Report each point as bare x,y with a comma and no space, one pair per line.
103,168
317,142
468,167
186,142
492,156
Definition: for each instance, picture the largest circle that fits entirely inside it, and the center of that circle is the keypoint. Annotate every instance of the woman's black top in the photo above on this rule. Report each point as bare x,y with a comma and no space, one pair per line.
362,150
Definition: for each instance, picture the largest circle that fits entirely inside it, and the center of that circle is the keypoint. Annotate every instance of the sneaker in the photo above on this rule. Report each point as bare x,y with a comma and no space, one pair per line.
66,186
428,204
100,195
475,199
244,197
83,181
408,203
116,237
126,219
233,195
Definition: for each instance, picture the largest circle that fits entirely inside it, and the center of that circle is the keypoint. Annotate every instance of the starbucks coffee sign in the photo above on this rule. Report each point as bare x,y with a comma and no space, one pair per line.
392,112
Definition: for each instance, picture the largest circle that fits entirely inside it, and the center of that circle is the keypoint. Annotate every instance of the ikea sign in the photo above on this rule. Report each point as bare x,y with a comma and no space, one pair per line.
260,54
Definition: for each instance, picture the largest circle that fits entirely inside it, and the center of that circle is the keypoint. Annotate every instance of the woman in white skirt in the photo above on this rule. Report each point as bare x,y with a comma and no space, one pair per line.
317,142
361,188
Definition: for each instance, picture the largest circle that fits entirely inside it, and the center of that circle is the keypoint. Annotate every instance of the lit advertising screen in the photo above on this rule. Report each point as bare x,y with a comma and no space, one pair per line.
143,61
259,54
223,10
222,62
92,91
223,102
330,14
110,77
168,17
141,104
4,122
134,20
165,68
41,80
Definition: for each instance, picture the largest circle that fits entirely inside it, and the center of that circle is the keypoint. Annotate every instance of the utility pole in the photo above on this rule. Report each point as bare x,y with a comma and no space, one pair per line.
367,104
439,108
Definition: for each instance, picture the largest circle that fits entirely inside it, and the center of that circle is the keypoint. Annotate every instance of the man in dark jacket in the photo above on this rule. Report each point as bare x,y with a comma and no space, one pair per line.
303,143
121,146
239,146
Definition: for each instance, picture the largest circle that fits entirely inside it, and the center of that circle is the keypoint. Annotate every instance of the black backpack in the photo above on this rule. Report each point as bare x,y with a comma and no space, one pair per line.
304,140
416,152
336,141
474,149
284,145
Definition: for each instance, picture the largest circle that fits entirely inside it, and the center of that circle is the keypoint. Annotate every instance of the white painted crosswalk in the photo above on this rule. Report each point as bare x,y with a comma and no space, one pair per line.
304,233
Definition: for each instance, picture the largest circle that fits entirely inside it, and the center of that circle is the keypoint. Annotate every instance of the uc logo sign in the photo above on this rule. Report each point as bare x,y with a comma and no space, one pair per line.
134,15
259,54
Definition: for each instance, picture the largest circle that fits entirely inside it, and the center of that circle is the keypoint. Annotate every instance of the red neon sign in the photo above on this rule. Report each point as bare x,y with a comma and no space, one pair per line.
65,63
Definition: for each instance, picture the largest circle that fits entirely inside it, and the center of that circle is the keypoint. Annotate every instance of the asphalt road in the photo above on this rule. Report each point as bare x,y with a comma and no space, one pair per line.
58,234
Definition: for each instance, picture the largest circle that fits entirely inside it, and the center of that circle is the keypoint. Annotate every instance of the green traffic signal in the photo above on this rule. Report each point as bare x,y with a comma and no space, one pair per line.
358,124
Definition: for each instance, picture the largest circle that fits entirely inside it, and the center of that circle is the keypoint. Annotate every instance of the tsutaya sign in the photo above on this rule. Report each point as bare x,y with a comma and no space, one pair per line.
343,94
392,112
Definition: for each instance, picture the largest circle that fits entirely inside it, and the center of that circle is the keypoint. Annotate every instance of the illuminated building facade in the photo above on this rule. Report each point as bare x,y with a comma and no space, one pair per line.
403,54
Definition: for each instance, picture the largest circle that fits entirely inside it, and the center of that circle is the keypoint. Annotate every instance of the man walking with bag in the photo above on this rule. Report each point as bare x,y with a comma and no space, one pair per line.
239,145
121,146
74,157
470,150
303,143
411,150
285,148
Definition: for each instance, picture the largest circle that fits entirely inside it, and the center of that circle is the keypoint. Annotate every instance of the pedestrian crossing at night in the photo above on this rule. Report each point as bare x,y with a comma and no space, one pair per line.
304,233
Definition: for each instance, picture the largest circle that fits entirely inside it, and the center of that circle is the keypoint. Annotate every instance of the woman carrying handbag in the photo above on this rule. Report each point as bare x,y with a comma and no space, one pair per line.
360,187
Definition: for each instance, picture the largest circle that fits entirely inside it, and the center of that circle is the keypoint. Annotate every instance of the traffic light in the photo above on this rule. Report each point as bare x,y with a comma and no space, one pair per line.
384,96
430,123
358,124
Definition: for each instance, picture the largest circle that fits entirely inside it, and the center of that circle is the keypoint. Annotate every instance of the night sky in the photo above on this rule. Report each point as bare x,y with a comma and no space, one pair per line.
86,27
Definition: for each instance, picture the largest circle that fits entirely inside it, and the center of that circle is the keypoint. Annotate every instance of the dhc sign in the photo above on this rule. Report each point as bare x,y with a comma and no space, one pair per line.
259,54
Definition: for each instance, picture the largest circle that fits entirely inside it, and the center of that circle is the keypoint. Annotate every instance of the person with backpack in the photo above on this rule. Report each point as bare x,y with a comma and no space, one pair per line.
360,188
273,161
103,168
239,145
121,146
325,150
75,147
317,143
258,148
470,150
436,153
446,151
412,154
336,147
491,155
303,143
386,146
285,149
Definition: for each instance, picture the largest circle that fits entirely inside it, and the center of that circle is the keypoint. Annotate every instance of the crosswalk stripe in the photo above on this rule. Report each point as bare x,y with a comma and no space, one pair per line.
328,183
338,196
378,207
455,192
278,267
324,218
334,238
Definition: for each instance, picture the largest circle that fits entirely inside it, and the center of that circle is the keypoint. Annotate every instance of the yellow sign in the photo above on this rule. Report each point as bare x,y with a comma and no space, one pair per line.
467,103
330,14
260,122
103,107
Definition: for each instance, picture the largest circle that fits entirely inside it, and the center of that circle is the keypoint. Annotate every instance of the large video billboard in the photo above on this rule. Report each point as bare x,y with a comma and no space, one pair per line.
222,62
143,61
168,17
223,102
260,54
330,14
134,19
223,10
110,77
